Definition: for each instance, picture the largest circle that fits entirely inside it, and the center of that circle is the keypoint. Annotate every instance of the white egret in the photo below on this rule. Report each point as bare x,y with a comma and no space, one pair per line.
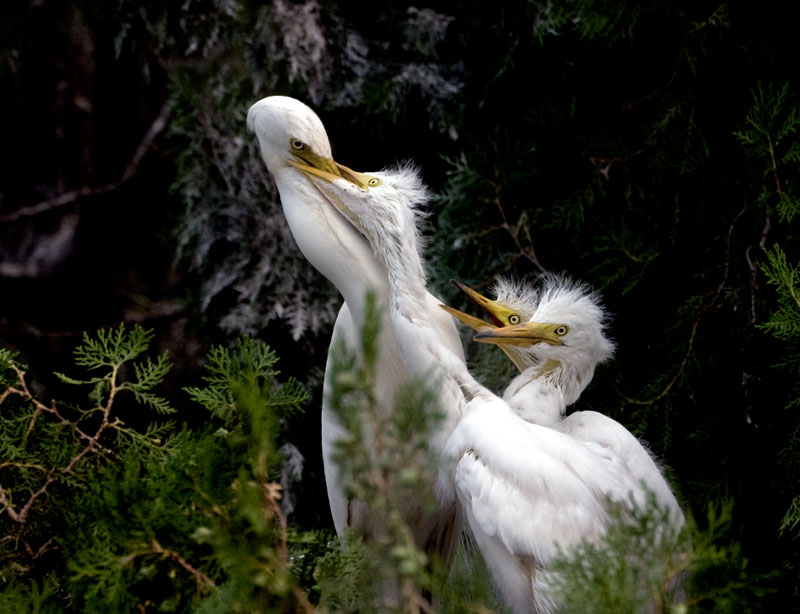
555,335
288,131
526,489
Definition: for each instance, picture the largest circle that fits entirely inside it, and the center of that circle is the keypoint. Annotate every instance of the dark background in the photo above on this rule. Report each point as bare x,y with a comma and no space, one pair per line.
592,137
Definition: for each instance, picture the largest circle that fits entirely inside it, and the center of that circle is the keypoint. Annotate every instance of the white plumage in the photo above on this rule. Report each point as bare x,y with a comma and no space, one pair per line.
289,132
526,489
554,375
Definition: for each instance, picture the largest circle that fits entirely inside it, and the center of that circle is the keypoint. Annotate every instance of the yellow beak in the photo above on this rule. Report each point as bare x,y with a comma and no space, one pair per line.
521,335
498,314
490,307
342,172
471,321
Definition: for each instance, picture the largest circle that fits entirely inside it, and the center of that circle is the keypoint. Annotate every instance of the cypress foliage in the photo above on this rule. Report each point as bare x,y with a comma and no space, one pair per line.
101,515
650,150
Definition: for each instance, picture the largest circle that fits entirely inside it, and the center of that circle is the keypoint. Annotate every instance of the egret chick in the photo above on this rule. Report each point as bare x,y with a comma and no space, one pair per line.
554,332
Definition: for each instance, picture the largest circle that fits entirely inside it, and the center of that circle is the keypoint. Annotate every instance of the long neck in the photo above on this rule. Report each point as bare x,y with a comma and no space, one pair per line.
415,327
542,393
407,282
330,243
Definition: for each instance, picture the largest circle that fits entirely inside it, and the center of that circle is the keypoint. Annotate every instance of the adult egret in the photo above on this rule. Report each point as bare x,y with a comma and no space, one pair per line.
526,490
288,132
555,335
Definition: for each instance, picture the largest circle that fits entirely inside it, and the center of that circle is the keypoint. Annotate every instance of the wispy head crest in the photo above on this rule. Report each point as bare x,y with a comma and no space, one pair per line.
564,300
558,299
406,177
517,295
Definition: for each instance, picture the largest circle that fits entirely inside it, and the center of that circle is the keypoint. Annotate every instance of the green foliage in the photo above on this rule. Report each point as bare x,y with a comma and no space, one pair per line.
243,376
344,576
784,324
387,461
646,564
8,367
51,451
244,524
158,518
622,258
590,19
112,349
148,516
791,520
771,125
33,598
770,137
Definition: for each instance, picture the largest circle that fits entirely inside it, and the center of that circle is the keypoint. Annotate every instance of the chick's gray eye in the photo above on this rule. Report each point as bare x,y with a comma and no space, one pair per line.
513,319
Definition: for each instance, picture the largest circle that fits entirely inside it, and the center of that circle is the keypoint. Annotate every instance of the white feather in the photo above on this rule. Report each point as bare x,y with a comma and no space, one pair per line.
525,489
337,249
543,399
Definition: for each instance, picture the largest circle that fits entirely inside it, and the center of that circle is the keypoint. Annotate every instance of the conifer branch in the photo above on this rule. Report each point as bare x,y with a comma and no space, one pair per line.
529,253
21,516
39,407
696,322
67,198
203,581
111,350
93,440
45,547
7,507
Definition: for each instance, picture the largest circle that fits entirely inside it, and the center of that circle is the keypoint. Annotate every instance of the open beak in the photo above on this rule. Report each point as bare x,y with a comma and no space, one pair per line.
331,172
494,311
489,307
471,321
520,335
497,313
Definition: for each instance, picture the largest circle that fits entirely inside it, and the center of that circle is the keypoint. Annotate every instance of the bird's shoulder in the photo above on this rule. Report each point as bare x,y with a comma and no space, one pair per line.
605,431
445,324
596,426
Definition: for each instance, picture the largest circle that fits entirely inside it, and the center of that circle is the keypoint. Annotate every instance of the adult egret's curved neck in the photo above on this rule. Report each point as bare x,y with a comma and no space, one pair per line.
330,243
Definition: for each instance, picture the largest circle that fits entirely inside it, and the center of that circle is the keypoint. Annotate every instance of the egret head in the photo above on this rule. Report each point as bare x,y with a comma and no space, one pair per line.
289,132
292,139
566,328
286,130
383,206
514,304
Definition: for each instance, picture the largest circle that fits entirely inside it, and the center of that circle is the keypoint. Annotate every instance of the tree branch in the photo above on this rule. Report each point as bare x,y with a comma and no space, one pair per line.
67,198
696,324
203,581
21,516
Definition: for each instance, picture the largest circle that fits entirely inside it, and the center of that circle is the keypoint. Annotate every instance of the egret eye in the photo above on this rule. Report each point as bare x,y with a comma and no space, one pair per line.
297,144
561,330
374,182
513,319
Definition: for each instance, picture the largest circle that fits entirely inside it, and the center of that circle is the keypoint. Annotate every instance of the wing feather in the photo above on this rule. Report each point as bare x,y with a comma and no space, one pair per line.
531,488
